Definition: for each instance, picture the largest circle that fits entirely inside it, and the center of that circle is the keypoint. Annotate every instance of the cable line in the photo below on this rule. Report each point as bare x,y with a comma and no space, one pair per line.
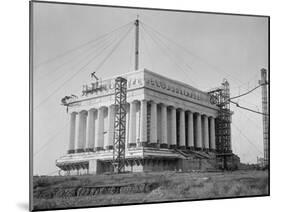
99,50
247,139
167,54
145,45
73,59
249,119
78,47
51,139
245,108
235,97
111,52
72,76
190,53
176,55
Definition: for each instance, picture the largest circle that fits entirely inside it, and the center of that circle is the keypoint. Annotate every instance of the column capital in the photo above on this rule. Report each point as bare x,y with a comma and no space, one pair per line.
133,101
181,109
83,112
102,107
92,110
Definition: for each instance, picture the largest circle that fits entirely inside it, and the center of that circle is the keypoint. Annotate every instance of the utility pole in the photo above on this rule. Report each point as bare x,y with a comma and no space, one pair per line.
137,44
263,82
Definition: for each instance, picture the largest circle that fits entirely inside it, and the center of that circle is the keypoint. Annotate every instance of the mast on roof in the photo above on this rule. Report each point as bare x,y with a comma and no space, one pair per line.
137,44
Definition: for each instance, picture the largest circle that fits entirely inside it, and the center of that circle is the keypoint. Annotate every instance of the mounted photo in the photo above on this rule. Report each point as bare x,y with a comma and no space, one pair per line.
143,105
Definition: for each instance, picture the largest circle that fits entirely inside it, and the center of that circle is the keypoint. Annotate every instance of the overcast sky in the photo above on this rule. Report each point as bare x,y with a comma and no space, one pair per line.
215,47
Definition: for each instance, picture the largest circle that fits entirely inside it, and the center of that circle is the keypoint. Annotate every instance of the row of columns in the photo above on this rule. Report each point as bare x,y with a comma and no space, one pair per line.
204,129
88,133
87,128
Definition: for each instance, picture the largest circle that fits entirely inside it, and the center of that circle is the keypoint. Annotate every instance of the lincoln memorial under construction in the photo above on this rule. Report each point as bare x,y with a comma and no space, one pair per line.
169,125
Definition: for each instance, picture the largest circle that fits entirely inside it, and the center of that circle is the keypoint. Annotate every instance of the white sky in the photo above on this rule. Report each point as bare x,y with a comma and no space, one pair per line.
218,46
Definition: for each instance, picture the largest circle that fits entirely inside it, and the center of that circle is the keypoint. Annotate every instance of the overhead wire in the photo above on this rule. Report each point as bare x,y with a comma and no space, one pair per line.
89,48
111,52
77,72
50,140
73,75
147,49
190,53
247,139
235,97
97,51
80,46
244,115
216,69
248,109
167,54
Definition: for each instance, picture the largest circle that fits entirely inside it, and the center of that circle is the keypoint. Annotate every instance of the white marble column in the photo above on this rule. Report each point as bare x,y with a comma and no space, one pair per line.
174,128
127,124
164,130
182,129
212,133
190,130
111,115
99,136
90,139
132,125
81,131
143,122
71,146
198,131
205,132
153,124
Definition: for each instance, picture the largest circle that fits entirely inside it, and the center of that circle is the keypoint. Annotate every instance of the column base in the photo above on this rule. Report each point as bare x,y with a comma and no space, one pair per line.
143,143
173,146
98,148
89,150
79,150
71,151
110,147
198,149
165,146
190,148
182,147
153,145
132,145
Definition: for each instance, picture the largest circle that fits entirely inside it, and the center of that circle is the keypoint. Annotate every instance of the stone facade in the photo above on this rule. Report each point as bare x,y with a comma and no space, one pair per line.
163,115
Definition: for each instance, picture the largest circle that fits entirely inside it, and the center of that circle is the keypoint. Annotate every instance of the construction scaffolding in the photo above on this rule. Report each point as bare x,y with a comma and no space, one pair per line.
264,83
221,96
119,125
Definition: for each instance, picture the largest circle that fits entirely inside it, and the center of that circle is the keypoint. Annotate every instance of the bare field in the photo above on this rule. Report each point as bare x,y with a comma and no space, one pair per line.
81,191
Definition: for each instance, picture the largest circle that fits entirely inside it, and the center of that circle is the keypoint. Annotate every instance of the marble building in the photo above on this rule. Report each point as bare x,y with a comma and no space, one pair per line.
169,126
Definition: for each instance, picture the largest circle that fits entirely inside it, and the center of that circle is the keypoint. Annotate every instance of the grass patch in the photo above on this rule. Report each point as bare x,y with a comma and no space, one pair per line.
63,192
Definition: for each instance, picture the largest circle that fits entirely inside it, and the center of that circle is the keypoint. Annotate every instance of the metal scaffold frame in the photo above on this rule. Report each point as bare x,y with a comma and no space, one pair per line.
221,96
120,125
264,83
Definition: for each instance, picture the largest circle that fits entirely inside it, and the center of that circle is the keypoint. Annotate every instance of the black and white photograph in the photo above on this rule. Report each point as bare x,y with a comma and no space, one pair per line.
142,105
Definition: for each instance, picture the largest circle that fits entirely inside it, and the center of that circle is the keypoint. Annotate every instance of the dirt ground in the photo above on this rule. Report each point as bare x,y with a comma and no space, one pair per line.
81,191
